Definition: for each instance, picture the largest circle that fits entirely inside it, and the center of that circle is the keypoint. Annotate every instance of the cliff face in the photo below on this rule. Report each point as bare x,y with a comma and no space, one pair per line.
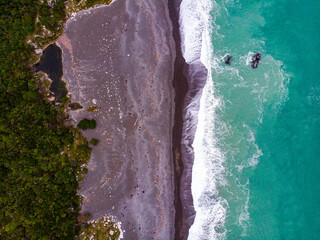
180,85
189,79
120,59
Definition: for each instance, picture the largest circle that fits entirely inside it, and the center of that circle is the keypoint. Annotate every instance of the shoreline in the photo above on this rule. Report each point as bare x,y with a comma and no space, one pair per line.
180,86
190,78
183,201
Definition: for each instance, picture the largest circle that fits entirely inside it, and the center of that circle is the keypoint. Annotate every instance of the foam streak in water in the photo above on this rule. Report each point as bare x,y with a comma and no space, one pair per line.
232,106
195,30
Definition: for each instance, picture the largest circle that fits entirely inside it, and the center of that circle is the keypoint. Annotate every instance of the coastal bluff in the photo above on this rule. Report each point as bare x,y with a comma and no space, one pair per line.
118,61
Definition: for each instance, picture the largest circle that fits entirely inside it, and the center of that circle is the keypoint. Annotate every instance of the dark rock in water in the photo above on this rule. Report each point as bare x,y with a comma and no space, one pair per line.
51,63
255,60
228,60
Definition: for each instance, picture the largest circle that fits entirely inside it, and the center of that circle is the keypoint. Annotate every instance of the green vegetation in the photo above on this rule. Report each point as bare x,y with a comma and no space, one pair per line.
77,5
42,158
75,106
94,141
93,109
85,124
101,229
47,83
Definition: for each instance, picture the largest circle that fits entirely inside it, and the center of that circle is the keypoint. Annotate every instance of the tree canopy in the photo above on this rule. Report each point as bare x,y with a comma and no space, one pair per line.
42,157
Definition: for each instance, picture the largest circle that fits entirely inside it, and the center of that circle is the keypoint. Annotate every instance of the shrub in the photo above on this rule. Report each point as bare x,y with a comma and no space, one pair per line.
94,141
85,124
93,109
75,106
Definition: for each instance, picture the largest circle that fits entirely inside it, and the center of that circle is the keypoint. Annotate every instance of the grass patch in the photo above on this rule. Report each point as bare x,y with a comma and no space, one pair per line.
47,83
78,5
93,109
101,229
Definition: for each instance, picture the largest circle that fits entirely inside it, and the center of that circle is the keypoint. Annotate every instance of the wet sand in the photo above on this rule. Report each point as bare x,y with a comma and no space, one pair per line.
120,58
184,215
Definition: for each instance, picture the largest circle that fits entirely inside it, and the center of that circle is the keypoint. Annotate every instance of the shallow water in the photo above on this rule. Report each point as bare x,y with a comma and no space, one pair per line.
51,63
256,146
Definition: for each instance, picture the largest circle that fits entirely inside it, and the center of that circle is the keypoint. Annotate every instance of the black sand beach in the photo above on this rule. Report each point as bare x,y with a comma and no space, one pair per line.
125,61
120,59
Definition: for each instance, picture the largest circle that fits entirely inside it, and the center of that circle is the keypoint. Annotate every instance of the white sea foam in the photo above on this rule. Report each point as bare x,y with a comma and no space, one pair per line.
244,216
207,170
208,167
253,160
207,173
192,19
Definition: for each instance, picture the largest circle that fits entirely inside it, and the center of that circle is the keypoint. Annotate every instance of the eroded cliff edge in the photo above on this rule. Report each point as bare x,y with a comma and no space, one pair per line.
189,79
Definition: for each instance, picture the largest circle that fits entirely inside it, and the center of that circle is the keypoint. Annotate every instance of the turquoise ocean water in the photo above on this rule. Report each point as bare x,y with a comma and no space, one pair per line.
256,172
